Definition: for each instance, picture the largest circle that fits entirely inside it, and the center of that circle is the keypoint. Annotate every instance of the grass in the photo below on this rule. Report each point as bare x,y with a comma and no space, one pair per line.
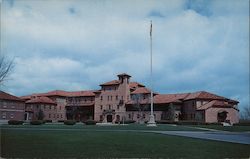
163,127
235,128
84,142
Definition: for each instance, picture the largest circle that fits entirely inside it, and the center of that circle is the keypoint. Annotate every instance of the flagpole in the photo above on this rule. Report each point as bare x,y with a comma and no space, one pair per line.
151,117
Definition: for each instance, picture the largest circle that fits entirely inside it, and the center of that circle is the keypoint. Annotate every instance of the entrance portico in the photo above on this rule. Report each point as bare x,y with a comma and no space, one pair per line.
109,115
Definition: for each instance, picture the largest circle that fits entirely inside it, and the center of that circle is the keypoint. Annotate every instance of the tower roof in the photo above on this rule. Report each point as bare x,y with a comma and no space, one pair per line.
123,74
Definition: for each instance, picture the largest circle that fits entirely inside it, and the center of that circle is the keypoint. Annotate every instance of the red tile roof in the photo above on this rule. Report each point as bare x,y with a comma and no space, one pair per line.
81,94
114,82
214,103
135,84
141,90
169,98
203,95
6,96
62,94
45,100
25,97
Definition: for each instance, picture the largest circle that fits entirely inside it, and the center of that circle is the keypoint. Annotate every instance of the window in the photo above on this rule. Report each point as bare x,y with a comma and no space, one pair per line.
138,116
54,107
108,98
109,106
101,107
127,97
50,107
116,97
37,106
11,116
85,100
49,115
111,98
101,97
3,115
144,116
61,116
118,107
193,103
54,115
57,115
129,116
101,117
122,97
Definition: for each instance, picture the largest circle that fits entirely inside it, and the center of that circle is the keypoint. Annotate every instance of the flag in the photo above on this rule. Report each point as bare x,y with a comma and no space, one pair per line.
151,29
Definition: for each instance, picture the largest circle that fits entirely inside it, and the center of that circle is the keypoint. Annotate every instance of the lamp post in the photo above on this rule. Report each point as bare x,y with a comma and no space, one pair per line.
151,117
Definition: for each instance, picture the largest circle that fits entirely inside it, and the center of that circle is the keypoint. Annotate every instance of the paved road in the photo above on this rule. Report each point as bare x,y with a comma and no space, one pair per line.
234,137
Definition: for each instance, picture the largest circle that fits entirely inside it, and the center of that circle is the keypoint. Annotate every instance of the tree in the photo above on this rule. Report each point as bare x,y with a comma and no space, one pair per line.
40,115
6,66
246,113
141,104
171,112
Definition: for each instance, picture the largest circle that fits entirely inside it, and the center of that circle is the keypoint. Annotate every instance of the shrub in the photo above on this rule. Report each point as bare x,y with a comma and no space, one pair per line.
243,123
166,122
90,122
37,122
128,121
48,121
214,124
69,122
15,122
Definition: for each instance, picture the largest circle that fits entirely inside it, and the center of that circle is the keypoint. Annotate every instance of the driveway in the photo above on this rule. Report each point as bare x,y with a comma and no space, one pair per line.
233,137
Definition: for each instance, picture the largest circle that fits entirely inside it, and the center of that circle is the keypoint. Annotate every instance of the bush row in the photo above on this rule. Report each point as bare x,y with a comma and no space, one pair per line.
243,123
37,122
15,122
185,122
69,122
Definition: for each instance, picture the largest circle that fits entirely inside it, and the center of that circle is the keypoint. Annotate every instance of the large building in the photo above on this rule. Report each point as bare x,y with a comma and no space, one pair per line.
11,107
120,100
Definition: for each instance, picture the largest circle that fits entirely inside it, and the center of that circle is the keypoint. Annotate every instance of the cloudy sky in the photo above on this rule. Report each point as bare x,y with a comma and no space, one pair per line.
78,44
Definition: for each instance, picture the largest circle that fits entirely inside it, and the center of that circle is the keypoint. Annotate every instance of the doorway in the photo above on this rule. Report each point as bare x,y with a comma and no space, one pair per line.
109,118
221,116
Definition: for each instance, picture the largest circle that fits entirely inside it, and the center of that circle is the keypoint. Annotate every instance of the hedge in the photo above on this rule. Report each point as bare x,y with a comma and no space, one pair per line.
128,121
15,122
48,121
243,123
37,122
90,122
166,122
69,122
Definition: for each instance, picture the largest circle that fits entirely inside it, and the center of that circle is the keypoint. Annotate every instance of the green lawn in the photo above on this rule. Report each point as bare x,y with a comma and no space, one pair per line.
235,128
163,127
83,143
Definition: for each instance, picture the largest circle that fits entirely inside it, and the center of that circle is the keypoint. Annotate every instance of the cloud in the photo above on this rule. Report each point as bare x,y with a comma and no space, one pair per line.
73,45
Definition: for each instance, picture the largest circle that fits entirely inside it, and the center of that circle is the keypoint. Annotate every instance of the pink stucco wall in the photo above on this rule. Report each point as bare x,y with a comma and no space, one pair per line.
211,115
